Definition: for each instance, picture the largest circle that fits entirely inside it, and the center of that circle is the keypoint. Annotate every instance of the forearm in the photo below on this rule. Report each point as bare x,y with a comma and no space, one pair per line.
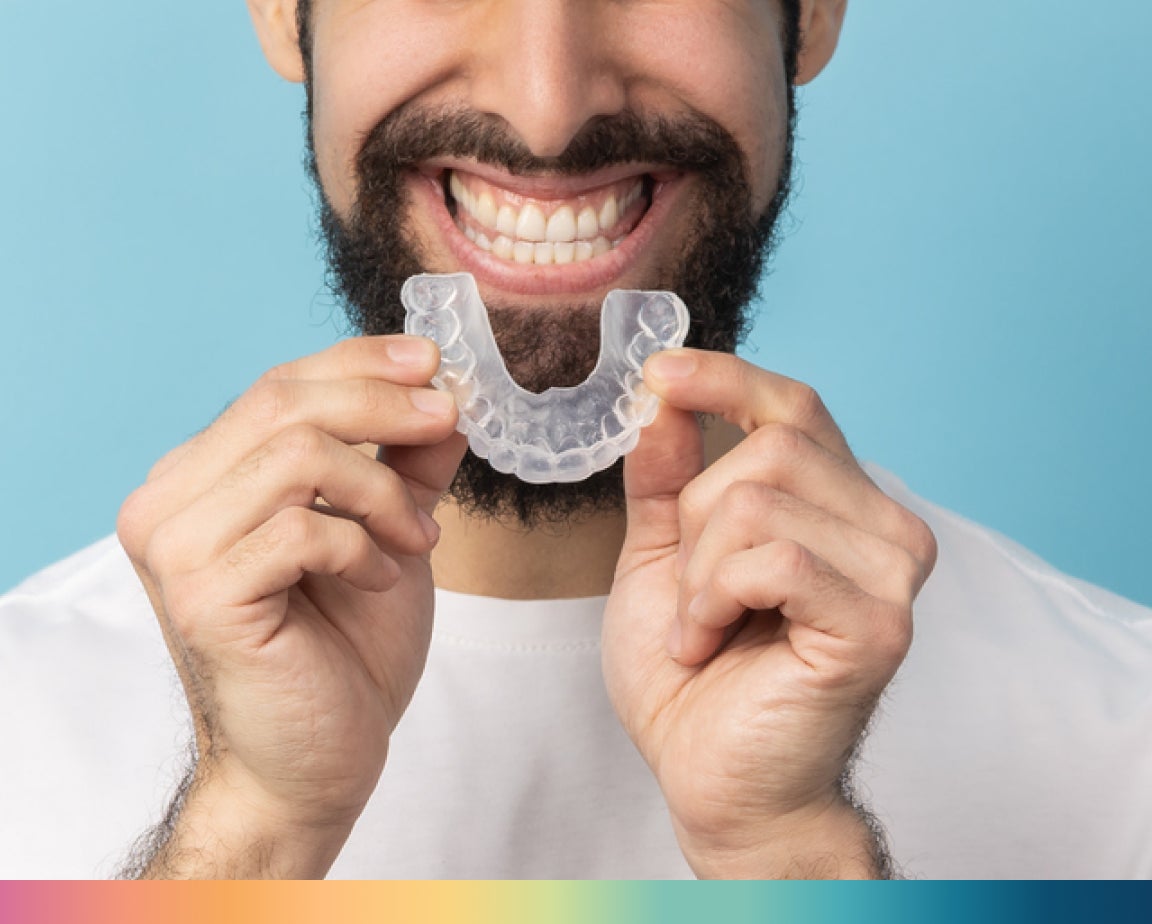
212,831
843,841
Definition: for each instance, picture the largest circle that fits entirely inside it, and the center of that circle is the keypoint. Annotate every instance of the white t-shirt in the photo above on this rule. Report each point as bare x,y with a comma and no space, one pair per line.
1016,740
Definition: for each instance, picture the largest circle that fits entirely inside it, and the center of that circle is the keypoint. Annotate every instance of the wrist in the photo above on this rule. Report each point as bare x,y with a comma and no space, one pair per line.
835,840
225,831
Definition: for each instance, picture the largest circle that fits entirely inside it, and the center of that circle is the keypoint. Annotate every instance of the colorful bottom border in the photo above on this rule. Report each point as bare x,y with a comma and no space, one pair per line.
563,902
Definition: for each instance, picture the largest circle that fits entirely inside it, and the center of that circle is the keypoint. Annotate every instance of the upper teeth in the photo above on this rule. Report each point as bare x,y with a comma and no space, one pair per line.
528,223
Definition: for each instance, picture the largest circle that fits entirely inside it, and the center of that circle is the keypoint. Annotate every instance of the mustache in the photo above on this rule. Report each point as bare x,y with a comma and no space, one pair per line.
716,268
412,134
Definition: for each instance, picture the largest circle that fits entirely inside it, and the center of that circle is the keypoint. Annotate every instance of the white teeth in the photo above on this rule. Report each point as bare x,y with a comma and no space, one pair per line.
543,253
608,214
486,210
561,226
587,224
506,220
527,236
502,247
530,226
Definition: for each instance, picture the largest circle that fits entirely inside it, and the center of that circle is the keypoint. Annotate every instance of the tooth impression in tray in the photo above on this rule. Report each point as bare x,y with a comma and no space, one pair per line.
561,434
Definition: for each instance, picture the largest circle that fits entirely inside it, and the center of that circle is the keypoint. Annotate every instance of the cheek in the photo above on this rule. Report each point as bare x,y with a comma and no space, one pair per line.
368,61
766,142
727,63
752,103
334,123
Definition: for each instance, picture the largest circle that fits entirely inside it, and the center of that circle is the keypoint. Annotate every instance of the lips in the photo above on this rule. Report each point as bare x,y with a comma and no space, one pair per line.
547,235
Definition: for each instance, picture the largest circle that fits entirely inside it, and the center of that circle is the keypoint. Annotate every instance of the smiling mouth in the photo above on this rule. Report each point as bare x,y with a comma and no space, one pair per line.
538,231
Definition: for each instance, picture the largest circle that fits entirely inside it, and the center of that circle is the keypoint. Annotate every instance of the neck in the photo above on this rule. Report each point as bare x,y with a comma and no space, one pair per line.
494,558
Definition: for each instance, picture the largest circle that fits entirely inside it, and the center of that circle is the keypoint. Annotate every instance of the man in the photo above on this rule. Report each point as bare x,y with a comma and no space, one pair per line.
400,663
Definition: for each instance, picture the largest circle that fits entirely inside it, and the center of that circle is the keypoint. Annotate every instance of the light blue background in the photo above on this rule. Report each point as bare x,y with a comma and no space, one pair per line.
965,279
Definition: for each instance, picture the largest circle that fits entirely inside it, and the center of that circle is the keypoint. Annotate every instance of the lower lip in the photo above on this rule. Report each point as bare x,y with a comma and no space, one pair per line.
528,279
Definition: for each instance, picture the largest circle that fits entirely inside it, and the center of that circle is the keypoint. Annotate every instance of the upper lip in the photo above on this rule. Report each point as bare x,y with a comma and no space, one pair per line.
542,186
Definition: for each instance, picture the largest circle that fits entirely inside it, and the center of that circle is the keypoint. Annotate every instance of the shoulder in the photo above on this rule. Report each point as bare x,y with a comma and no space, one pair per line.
94,739
88,604
97,582
979,566
84,619
1015,739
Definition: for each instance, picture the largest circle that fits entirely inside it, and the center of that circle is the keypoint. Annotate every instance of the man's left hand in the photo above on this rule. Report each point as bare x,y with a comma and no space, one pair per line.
760,606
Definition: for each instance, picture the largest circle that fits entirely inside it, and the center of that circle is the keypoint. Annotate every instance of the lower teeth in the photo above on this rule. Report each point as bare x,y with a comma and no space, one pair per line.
546,254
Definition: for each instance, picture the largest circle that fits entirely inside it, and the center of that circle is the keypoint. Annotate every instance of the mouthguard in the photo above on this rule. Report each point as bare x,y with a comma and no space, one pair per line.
563,433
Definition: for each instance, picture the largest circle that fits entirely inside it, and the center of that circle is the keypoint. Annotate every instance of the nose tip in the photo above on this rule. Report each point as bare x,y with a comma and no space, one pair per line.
545,72
548,131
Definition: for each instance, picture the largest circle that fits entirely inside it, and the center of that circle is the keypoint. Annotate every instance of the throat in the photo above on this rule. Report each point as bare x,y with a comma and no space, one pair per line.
490,558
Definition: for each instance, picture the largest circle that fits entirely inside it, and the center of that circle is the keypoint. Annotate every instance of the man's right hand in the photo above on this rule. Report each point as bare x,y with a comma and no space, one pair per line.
290,574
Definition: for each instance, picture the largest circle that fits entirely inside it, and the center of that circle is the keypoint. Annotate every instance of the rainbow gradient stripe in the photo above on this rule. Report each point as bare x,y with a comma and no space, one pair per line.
566,902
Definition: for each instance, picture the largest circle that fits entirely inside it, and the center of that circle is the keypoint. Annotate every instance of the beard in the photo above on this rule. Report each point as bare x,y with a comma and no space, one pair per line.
717,271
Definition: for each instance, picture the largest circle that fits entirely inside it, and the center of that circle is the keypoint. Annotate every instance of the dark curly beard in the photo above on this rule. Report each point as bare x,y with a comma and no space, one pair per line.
716,273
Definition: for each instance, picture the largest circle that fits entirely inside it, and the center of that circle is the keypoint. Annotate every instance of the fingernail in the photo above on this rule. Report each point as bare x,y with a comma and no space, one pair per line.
410,351
673,364
434,403
674,639
431,527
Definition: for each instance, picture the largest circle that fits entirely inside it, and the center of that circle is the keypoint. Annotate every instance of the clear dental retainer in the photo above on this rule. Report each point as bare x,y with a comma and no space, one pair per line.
560,434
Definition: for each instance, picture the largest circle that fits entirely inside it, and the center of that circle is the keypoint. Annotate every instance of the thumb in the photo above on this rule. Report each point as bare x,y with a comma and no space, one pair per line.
670,453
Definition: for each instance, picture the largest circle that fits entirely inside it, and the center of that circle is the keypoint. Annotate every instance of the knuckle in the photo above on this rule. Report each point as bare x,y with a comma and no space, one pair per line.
164,463
779,443
183,606
925,547
892,635
905,574
134,523
789,559
742,496
804,405
165,549
278,373
249,469
695,500
749,503
292,527
372,398
919,540
270,402
345,353
297,444
727,576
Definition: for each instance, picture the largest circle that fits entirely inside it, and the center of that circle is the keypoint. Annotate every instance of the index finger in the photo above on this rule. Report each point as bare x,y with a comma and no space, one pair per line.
741,393
399,359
